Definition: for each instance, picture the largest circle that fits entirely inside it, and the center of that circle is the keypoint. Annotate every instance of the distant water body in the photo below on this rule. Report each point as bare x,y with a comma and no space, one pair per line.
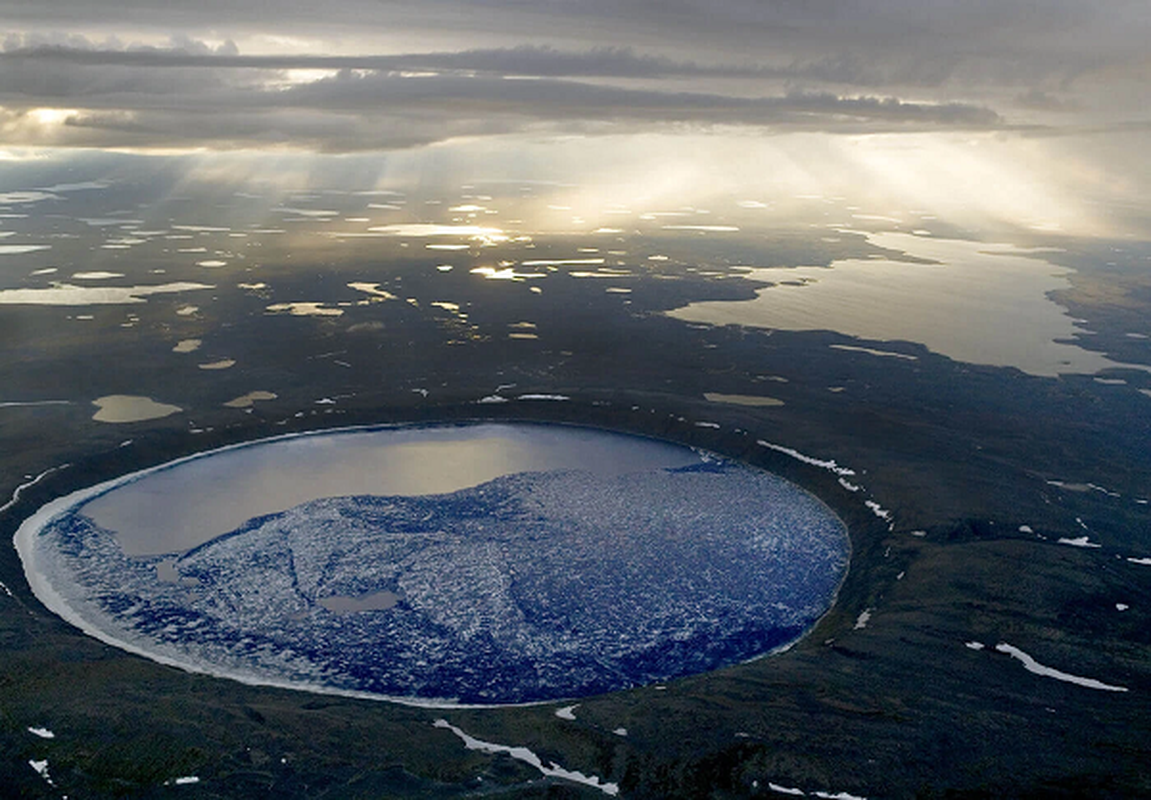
469,564
970,301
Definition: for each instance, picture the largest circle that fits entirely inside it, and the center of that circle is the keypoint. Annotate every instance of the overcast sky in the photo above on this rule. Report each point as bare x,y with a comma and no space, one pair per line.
360,75
365,75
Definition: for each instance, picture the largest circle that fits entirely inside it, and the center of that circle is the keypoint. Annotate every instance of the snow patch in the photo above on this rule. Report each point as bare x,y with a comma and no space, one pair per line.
775,787
829,465
567,712
28,403
543,397
492,398
528,757
1031,665
620,731
1146,561
43,733
848,485
974,645
1121,606
1082,541
874,352
1026,529
878,510
862,620
41,768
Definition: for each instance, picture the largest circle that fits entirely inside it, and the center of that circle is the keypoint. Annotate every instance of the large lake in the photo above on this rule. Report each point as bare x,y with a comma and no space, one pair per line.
467,564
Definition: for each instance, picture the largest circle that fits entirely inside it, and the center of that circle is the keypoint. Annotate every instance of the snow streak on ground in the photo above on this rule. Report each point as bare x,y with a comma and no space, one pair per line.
1031,665
815,462
842,472
41,768
29,403
553,770
794,792
27,485
1082,541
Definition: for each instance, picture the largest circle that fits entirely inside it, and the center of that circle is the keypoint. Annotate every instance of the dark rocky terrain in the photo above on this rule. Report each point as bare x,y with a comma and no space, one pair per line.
981,471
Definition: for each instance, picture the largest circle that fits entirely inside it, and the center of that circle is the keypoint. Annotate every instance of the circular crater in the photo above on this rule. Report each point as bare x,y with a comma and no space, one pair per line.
463,564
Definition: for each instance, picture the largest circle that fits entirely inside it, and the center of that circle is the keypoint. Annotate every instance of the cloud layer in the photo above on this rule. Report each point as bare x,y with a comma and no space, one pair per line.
354,76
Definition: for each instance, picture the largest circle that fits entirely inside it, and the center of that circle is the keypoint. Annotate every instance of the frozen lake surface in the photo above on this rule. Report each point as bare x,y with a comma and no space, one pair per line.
470,564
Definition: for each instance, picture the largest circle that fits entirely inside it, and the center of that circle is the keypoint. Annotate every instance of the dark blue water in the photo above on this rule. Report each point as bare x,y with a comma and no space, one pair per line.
536,585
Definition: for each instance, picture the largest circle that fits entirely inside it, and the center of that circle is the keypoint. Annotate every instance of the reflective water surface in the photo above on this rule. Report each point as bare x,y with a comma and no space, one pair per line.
970,301
179,508
121,408
474,564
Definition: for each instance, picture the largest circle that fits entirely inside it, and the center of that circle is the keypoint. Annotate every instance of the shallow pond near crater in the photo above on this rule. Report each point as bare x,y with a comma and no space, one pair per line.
459,564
